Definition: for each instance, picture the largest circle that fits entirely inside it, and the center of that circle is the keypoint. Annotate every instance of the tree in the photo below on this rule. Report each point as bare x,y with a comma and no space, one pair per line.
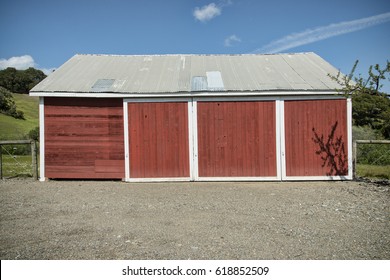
352,84
8,106
370,106
374,79
20,81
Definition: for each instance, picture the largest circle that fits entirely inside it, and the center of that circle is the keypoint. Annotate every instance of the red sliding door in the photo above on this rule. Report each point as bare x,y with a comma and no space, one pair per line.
158,139
236,139
316,137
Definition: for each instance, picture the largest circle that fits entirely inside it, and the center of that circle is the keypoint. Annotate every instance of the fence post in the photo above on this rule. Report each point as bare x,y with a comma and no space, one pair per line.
34,160
33,155
354,158
1,162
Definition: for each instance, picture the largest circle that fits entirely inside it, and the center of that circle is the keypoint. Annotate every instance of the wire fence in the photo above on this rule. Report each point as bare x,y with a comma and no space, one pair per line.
372,158
14,163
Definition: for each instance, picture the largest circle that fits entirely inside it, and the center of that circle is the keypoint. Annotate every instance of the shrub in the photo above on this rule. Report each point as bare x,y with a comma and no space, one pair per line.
34,134
374,154
8,106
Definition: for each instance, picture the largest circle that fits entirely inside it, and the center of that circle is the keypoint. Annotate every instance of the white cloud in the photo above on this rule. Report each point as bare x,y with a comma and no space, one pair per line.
229,41
207,12
23,62
18,62
322,33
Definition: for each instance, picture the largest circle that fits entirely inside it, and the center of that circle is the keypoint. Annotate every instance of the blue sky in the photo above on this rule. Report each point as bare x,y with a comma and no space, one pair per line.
46,33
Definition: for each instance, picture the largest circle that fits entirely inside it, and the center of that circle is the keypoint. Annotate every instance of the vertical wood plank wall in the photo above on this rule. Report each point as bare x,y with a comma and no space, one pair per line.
158,139
236,139
304,155
84,138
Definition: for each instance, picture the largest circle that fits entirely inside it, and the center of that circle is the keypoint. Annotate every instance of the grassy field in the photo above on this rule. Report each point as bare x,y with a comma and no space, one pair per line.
12,129
16,166
373,171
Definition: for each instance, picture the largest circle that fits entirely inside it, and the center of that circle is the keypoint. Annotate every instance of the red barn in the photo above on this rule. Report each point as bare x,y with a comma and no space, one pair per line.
194,117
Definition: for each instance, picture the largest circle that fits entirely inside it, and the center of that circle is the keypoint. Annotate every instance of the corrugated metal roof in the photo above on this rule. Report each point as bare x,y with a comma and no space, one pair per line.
187,73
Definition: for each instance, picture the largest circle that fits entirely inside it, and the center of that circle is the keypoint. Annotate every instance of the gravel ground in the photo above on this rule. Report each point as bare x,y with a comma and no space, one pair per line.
116,220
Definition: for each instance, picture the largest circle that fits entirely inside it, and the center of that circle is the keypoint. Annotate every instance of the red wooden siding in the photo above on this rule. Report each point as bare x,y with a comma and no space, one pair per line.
236,139
303,121
84,138
158,140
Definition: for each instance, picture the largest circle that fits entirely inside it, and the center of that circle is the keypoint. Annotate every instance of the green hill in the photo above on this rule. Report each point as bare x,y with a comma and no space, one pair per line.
11,128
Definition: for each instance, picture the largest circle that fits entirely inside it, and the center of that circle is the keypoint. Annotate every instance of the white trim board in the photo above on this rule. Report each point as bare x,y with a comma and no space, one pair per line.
196,94
202,179
265,98
192,130
230,98
227,179
160,100
316,178
168,179
42,139
282,139
126,140
239,179
195,174
349,136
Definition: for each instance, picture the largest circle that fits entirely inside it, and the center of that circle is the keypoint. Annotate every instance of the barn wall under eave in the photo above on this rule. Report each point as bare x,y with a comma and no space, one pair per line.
84,138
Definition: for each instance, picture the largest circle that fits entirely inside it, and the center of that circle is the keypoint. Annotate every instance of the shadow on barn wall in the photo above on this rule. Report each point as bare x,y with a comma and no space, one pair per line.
332,152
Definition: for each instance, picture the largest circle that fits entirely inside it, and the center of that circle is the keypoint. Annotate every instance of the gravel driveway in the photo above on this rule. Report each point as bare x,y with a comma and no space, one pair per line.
116,220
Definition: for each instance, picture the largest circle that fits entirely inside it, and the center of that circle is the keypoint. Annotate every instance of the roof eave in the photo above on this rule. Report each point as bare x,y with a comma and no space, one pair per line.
276,92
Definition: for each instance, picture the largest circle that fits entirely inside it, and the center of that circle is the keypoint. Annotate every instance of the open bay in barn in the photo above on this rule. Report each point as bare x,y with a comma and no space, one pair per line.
232,220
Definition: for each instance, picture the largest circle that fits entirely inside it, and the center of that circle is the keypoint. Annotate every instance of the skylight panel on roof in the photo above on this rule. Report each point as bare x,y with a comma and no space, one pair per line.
198,83
214,80
211,82
102,85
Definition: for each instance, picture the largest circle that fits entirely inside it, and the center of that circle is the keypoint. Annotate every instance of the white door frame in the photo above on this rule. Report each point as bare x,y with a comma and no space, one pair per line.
349,176
277,123
127,140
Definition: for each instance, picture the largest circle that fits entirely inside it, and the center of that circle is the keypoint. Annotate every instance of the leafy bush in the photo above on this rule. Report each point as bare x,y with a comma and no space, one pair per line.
8,106
372,110
364,133
34,134
374,154
20,81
